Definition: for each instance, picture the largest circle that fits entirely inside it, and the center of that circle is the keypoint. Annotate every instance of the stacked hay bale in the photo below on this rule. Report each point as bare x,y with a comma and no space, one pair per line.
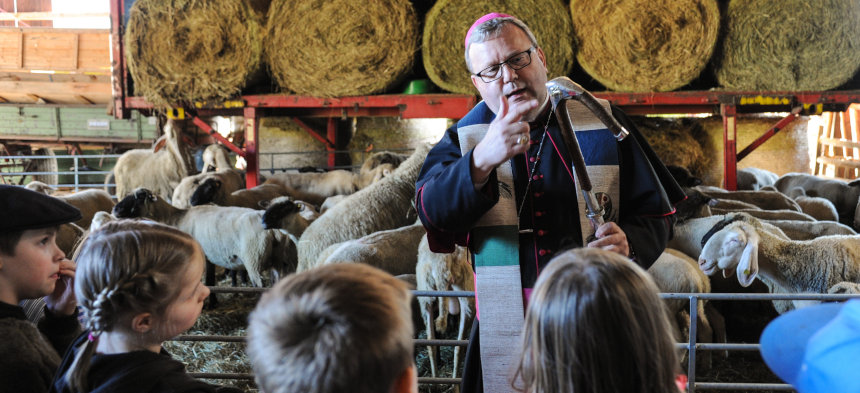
340,47
645,45
447,22
789,45
681,142
185,50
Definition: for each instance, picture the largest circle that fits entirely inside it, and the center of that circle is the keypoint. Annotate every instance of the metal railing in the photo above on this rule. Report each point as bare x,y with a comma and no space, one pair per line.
692,346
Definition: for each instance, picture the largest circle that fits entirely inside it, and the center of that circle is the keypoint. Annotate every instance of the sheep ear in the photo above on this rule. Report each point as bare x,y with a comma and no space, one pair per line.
748,267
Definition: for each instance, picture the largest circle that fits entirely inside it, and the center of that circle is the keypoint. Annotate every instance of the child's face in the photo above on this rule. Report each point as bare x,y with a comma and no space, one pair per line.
183,312
33,269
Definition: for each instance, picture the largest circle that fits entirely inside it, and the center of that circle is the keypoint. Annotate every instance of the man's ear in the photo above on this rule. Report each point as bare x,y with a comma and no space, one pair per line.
142,323
475,81
542,58
407,382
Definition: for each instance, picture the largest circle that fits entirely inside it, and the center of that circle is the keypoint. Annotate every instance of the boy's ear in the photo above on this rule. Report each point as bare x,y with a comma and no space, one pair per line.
407,382
142,323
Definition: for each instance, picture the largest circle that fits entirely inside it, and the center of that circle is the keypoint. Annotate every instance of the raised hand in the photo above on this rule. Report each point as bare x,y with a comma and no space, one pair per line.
508,136
62,301
610,237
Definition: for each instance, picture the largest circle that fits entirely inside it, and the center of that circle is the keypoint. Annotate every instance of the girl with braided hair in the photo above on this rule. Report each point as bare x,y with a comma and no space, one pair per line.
138,284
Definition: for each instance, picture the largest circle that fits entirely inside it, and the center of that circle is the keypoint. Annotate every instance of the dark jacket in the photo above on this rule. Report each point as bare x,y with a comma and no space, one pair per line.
134,372
31,355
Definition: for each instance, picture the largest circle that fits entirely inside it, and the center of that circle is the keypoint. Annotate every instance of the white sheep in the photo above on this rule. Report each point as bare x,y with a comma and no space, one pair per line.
284,214
393,250
845,196
755,178
676,272
159,171
767,214
318,186
386,204
100,219
444,272
231,237
819,208
40,187
88,202
380,158
746,248
767,200
215,156
331,201
231,180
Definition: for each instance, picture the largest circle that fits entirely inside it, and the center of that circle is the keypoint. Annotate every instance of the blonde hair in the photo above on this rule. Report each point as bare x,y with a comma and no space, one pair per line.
336,328
125,268
596,324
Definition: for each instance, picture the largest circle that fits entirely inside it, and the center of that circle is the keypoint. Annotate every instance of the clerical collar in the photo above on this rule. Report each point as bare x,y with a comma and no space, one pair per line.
541,120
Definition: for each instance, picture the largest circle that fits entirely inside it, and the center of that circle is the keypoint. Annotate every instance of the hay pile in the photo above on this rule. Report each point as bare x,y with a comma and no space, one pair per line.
677,142
340,47
645,45
448,21
789,44
186,50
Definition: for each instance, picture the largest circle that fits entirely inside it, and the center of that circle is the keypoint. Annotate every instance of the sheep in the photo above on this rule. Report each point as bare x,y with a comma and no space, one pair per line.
786,266
845,196
380,158
805,230
88,202
213,191
231,237
819,208
768,200
319,186
393,250
755,178
676,272
729,204
767,214
386,204
231,180
159,171
40,187
683,176
331,201
215,156
100,219
281,214
444,272
688,235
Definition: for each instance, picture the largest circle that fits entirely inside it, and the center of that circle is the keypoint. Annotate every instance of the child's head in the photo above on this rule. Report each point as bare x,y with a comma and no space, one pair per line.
29,256
596,323
139,280
336,328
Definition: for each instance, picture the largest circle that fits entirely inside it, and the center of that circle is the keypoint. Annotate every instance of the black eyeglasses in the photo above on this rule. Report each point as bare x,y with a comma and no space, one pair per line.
516,62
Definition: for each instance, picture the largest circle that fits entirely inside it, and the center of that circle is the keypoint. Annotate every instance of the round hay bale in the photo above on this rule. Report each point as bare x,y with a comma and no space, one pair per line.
448,21
340,47
789,45
186,50
677,142
645,45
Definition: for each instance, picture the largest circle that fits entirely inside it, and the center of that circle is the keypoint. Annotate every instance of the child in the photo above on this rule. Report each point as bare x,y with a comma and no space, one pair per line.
138,284
336,328
31,267
596,324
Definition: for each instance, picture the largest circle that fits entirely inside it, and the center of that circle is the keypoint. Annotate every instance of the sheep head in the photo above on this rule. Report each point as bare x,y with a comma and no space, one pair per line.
283,213
132,206
205,193
733,247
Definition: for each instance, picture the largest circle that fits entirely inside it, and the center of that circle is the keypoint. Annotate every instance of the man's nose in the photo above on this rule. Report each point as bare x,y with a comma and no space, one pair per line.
509,74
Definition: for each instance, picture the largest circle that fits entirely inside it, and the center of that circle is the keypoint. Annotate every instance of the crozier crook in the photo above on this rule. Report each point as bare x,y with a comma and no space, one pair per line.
562,89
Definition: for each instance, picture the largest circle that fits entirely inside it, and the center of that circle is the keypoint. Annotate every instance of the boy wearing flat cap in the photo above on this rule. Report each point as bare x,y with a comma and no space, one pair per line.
31,267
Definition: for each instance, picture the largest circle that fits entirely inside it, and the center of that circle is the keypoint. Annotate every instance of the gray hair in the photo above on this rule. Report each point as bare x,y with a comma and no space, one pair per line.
491,29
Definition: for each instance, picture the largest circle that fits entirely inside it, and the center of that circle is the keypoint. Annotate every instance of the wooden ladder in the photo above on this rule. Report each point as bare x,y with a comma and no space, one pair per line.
838,148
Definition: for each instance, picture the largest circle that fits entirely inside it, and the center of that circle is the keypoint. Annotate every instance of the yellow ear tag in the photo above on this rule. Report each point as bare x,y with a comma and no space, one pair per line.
746,272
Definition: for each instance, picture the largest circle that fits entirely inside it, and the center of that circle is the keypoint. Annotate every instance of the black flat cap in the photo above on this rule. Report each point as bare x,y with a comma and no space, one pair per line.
22,209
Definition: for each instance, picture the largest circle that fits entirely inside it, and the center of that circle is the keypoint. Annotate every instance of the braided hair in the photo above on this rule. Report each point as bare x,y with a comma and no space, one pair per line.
125,268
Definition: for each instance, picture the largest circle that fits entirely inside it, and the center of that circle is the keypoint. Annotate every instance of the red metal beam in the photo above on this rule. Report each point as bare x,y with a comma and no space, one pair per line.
769,133
407,106
329,145
252,156
220,138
